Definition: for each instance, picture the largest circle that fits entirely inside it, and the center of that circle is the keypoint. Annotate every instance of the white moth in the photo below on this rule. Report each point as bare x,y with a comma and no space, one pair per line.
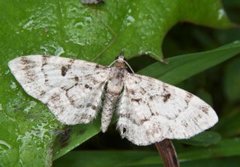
75,91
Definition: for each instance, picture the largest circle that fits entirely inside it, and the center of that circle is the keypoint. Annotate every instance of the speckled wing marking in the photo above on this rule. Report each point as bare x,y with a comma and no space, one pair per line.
72,89
150,111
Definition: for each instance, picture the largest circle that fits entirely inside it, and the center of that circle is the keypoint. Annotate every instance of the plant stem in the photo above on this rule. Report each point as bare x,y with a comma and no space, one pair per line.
167,152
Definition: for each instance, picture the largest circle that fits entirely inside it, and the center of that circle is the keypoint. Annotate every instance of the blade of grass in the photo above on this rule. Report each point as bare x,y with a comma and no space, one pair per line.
225,148
182,67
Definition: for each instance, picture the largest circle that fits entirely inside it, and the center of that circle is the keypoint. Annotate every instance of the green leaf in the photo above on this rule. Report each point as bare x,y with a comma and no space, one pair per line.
181,67
98,33
217,162
228,125
28,121
187,156
225,148
72,136
204,139
231,82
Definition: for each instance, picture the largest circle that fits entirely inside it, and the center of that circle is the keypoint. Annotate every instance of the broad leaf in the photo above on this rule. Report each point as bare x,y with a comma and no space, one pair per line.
69,28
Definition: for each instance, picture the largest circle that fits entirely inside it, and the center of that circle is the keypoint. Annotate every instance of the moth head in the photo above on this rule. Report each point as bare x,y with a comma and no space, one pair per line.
120,61
120,57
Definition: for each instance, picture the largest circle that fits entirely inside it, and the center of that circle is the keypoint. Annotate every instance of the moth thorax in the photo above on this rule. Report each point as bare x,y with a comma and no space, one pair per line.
115,83
120,65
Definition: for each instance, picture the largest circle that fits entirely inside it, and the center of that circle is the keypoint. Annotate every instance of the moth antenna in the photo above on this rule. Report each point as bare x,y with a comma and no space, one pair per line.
112,63
129,66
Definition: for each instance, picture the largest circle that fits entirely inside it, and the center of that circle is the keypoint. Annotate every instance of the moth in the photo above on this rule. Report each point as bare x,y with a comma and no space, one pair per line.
148,109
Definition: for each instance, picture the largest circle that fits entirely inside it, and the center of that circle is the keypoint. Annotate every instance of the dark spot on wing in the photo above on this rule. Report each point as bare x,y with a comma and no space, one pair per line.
42,93
44,63
28,64
46,80
143,120
130,91
55,97
166,97
149,107
84,116
124,130
165,87
188,97
87,86
71,61
30,75
97,66
44,60
136,100
92,106
142,91
64,70
72,102
152,97
28,67
204,109
25,60
80,106
185,124
76,78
